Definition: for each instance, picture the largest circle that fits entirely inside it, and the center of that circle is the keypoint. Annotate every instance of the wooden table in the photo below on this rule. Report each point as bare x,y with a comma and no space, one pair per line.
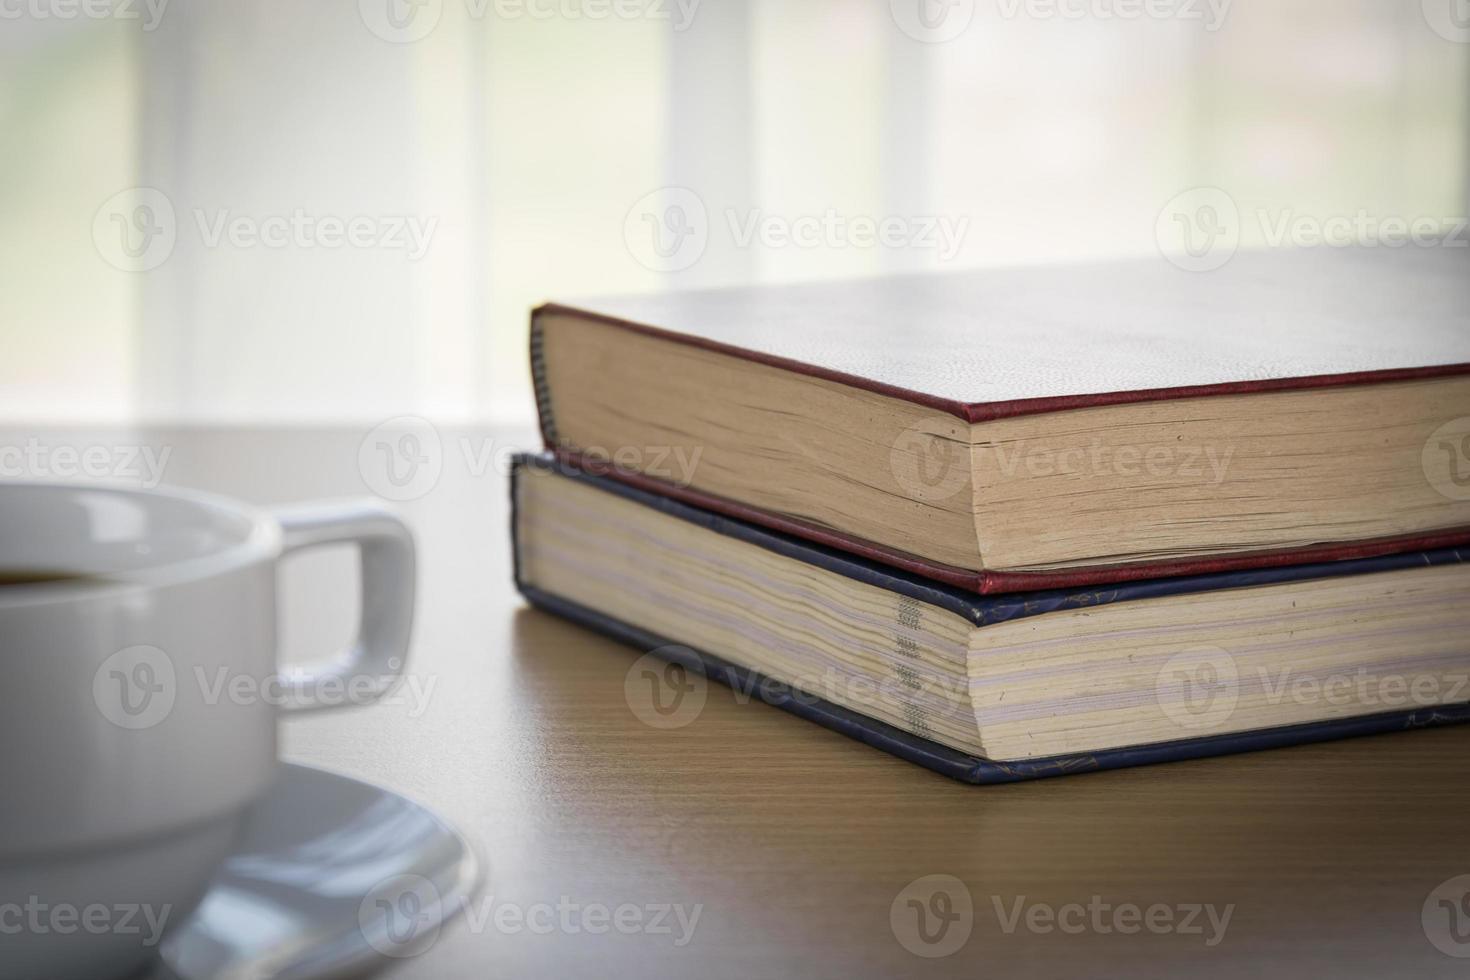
794,842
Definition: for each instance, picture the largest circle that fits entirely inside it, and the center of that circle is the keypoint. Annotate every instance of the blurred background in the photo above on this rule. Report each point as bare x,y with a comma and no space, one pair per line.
219,211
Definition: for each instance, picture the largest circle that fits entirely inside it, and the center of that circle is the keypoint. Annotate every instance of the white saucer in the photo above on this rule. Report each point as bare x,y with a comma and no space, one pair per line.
331,877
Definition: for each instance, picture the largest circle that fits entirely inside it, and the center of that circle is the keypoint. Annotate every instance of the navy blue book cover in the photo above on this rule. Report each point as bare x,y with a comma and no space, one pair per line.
981,611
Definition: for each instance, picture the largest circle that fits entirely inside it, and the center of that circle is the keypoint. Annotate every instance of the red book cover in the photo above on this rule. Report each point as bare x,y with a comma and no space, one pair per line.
1000,344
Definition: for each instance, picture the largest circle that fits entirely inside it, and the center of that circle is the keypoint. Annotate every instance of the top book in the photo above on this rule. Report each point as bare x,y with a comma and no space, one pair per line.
1050,427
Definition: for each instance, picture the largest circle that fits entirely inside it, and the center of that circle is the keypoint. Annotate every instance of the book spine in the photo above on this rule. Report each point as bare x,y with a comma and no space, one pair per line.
540,385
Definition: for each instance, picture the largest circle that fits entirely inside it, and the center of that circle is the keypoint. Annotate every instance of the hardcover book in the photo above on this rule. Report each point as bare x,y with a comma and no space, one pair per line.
1010,430
1000,688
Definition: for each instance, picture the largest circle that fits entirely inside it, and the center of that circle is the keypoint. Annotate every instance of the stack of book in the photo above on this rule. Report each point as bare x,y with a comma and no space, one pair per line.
1017,523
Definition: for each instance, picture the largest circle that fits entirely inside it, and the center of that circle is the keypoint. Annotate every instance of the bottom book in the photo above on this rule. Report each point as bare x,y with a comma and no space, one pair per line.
1002,688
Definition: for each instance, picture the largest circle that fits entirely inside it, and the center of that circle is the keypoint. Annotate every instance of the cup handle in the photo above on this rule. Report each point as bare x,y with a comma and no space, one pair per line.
371,666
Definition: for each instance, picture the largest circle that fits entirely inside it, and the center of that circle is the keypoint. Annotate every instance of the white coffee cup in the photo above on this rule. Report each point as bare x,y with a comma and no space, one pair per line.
139,690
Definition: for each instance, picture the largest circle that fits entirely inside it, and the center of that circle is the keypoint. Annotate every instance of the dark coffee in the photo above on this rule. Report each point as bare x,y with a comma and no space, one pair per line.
37,576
